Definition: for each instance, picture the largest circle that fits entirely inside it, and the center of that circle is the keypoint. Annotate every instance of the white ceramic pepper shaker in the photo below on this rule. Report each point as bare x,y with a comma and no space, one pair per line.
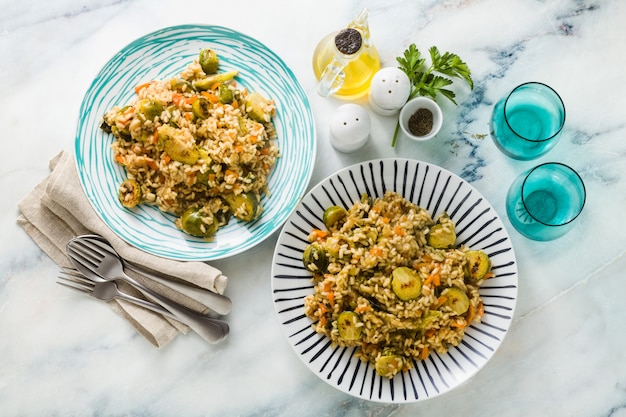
389,91
350,127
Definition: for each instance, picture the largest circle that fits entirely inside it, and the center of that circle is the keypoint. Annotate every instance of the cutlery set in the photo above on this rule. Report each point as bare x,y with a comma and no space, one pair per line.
98,267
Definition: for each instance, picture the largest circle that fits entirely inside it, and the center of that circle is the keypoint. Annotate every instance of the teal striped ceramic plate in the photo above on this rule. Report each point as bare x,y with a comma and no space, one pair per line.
163,54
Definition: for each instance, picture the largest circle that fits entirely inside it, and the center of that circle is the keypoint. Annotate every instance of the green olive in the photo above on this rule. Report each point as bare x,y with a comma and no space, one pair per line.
209,61
349,325
314,258
332,215
197,223
130,193
406,283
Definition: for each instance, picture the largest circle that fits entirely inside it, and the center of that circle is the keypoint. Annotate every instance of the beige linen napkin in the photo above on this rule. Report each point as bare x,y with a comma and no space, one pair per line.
57,209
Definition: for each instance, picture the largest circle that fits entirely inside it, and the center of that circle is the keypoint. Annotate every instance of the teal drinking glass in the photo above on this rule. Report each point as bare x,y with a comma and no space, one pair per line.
543,202
528,122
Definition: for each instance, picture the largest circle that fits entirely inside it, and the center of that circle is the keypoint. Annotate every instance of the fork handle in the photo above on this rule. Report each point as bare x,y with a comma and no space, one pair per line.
216,302
208,328
158,309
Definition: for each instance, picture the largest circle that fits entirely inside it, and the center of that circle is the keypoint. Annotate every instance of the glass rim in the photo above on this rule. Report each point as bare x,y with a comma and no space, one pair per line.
584,192
506,119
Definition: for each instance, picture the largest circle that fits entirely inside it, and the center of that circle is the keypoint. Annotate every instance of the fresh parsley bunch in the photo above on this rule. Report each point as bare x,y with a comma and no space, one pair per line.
432,80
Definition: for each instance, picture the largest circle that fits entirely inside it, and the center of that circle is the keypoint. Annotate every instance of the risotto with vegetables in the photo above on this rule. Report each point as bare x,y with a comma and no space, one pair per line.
391,280
196,146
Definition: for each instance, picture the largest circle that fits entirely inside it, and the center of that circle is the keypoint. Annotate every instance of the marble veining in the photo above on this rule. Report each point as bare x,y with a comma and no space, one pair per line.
67,355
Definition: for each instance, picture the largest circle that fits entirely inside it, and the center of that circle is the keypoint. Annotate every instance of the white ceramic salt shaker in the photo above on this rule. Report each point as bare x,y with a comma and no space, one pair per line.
350,127
389,91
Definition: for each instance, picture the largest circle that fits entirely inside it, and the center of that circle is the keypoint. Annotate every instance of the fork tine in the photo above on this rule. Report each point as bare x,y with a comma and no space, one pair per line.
87,249
79,257
77,277
75,285
98,245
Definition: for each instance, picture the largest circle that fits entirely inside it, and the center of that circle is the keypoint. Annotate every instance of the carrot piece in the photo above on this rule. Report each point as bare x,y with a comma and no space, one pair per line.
238,148
480,310
178,99
363,308
436,279
428,282
385,220
398,231
253,139
319,234
459,323
167,158
141,87
441,301
424,353
331,298
211,97
230,172
327,286
469,316
430,332
376,252
120,159
322,309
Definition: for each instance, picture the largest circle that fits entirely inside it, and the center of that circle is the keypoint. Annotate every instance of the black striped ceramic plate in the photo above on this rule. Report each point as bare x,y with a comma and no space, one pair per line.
478,226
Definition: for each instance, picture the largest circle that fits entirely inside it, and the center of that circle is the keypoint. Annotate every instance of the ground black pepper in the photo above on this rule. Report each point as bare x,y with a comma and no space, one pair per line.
348,41
421,122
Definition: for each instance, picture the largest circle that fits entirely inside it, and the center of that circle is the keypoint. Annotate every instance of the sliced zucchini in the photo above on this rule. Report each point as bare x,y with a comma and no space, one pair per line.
389,364
478,264
244,206
406,283
314,258
197,222
332,215
348,324
442,234
456,299
130,193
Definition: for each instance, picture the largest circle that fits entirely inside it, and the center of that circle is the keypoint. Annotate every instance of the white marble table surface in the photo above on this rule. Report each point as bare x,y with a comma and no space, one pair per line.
565,353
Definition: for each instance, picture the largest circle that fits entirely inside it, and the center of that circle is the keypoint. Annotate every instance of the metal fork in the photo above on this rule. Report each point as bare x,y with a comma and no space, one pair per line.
217,302
105,291
99,265
108,290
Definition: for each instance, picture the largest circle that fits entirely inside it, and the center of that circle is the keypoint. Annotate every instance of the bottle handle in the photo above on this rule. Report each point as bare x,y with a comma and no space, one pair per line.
332,78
